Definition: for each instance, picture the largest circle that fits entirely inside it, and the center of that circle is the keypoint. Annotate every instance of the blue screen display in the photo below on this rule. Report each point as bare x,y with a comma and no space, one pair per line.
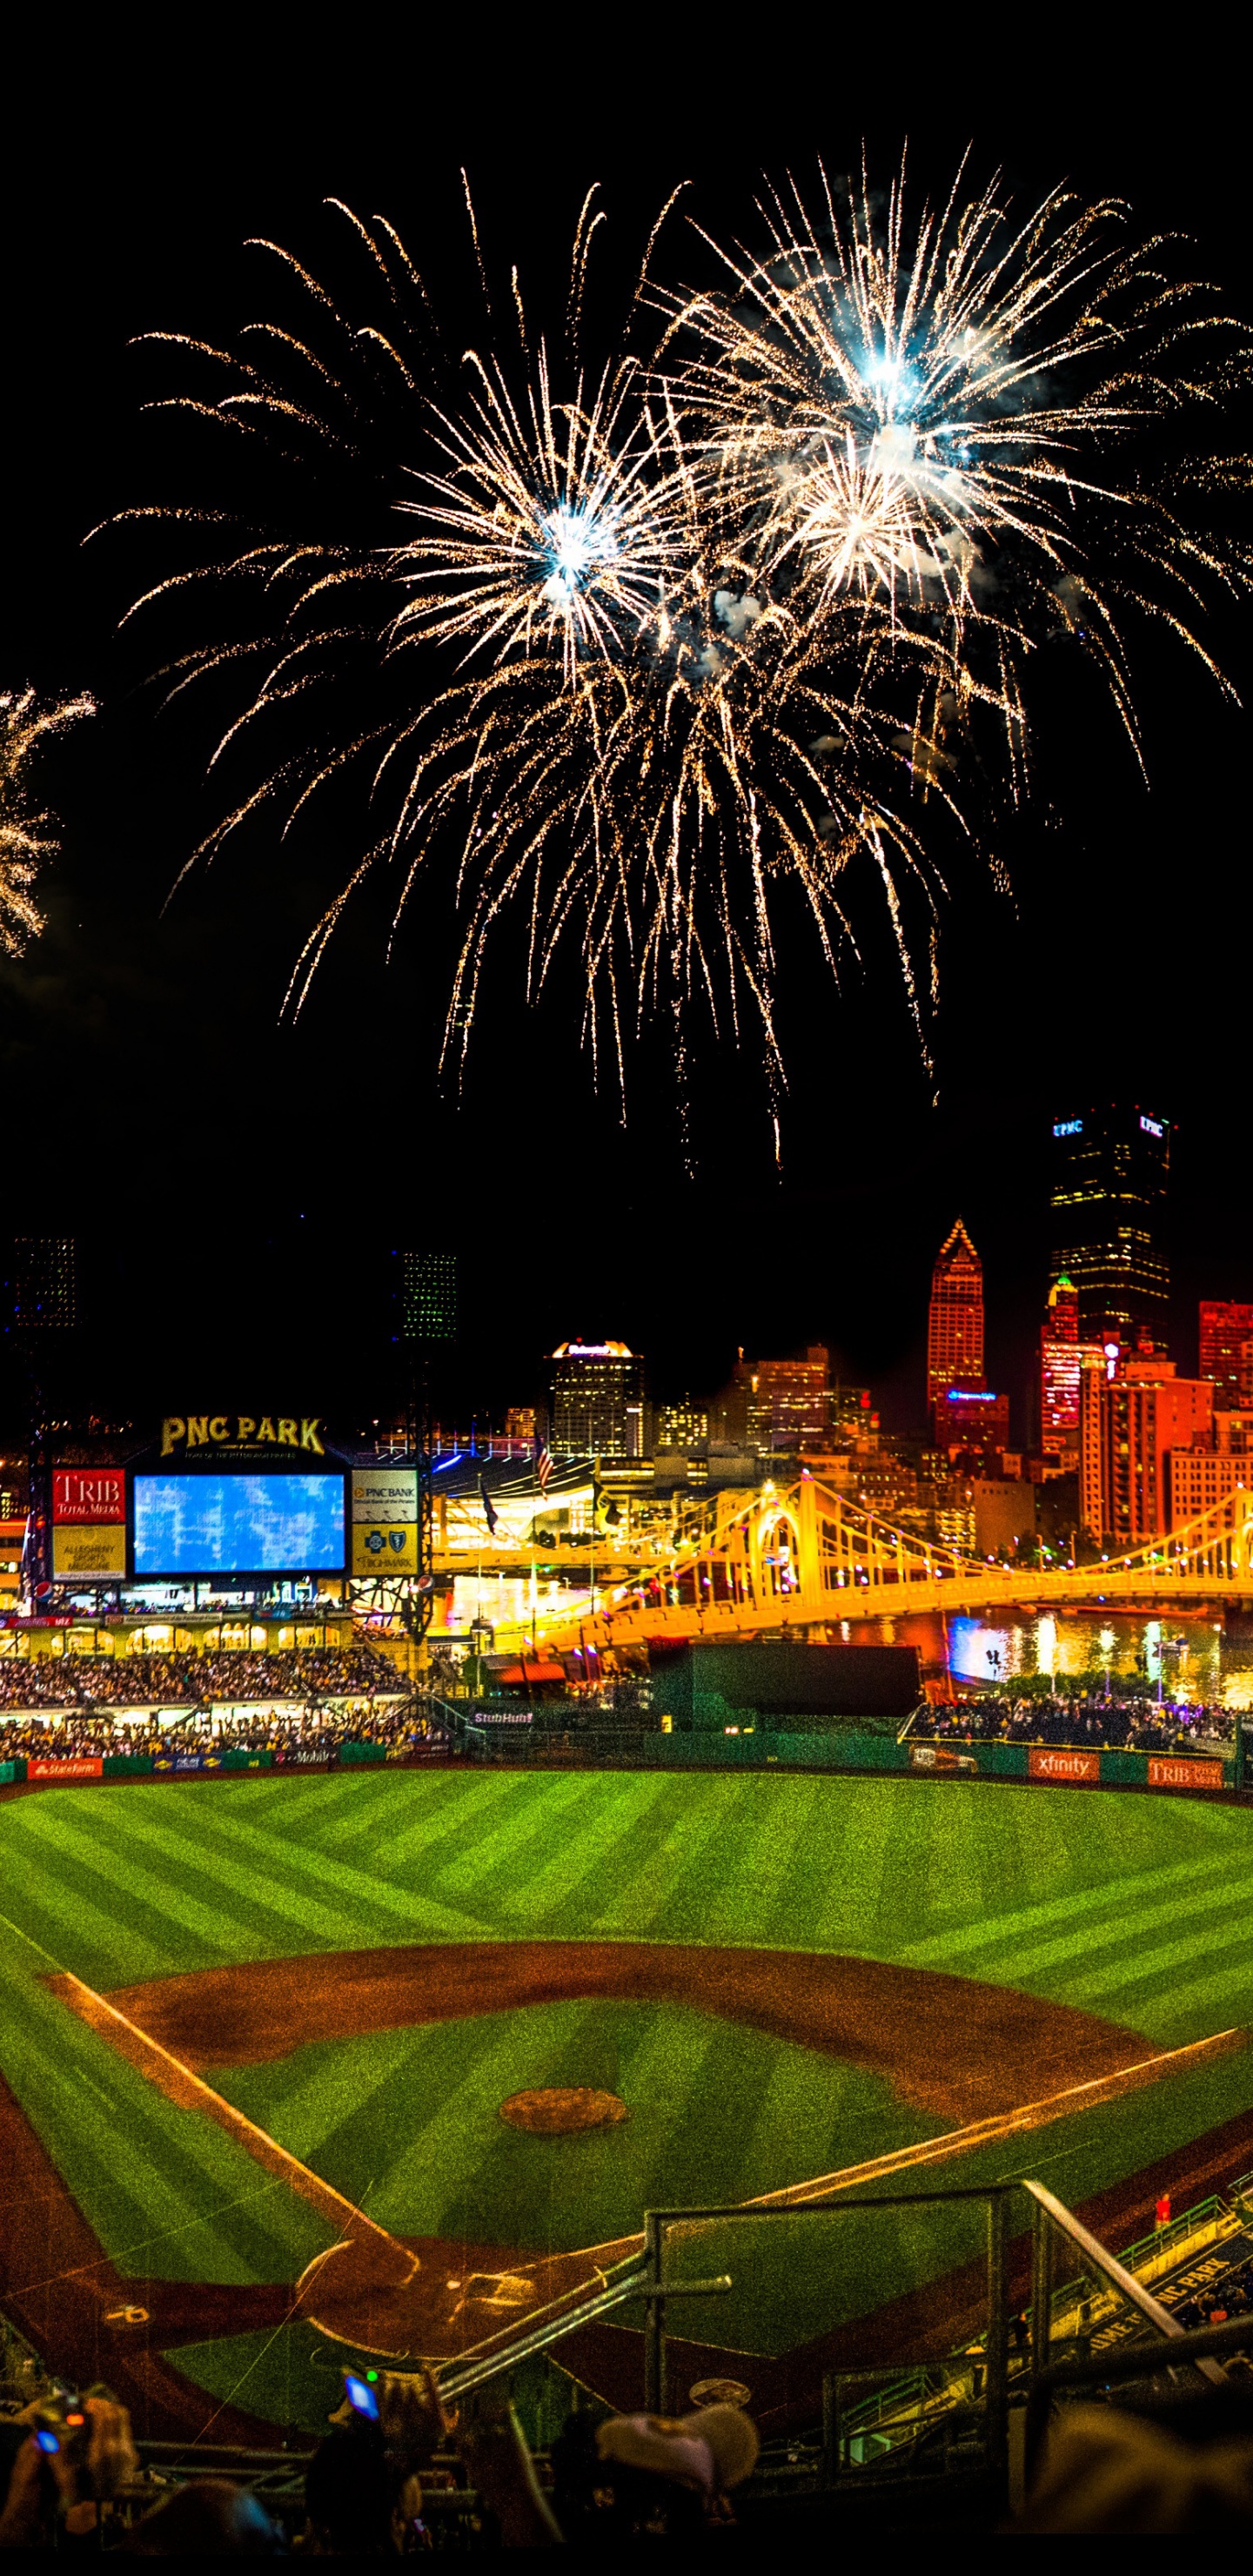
239,1524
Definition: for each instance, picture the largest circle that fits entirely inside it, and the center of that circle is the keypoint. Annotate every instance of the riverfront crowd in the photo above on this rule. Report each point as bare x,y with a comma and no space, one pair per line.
306,1675
1134,1725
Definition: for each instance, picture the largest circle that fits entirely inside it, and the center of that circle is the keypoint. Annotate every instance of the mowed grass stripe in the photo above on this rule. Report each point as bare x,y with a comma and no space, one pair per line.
527,1833
657,1881
583,1877
1008,1928
1107,1940
249,1853
179,2182
196,1930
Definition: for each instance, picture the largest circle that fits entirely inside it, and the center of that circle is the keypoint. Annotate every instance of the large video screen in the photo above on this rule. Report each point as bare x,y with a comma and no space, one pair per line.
239,1524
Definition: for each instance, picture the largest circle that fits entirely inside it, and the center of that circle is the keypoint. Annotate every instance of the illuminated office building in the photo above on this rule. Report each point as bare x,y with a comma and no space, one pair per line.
1196,1479
1062,1358
1226,1351
1110,1168
428,1296
681,1426
776,1404
955,1320
597,1401
971,1419
1130,1425
42,1286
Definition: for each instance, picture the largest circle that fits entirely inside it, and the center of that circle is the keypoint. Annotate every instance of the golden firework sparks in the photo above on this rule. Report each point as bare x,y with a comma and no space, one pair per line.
26,835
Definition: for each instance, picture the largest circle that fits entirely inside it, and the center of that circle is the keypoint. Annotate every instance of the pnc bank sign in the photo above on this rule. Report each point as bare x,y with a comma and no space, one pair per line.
188,1431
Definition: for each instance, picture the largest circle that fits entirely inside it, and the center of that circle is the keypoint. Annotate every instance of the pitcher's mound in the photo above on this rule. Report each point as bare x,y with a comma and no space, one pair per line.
557,2110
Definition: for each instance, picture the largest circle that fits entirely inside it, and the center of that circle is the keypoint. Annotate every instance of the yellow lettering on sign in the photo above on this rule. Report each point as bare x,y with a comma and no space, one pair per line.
219,1428
309,1435
265,1428
172,1429
244,1428
287,1432
197,1430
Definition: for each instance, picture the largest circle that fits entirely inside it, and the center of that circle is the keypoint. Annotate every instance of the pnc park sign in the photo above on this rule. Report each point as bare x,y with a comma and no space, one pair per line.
188,1431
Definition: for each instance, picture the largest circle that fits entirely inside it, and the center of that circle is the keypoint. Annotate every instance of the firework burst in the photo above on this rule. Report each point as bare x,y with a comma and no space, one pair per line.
512,619
948,419
26,836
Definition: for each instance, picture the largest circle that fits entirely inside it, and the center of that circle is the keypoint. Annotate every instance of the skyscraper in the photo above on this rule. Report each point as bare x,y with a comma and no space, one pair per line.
1226,1350
428,1297
1062,1357
1131,1425
1108,1198
776,1404
955,1319
42,1286
597,1402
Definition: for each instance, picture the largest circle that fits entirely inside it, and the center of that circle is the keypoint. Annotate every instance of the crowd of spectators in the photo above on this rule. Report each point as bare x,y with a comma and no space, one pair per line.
397,1724
306,1675
370,2485
1133,1725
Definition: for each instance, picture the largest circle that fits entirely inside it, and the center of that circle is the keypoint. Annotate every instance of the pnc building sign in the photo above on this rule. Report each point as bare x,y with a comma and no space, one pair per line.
181,1433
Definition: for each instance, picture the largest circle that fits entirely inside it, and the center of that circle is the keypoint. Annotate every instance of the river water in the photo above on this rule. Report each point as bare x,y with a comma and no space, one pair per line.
1195,1659
1192,1656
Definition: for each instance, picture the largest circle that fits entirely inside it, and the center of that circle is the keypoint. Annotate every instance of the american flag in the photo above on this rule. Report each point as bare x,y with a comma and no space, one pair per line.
543,1465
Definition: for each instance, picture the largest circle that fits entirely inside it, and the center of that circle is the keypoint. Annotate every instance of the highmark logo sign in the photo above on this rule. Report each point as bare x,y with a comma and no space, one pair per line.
241,1431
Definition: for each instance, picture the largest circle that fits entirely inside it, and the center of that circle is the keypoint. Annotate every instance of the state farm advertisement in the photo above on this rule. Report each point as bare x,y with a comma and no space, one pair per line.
87,1766
1049,1762
88,1494
1166,1773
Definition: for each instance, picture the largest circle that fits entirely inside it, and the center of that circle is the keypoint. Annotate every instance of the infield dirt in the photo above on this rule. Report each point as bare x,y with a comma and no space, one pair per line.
953,2047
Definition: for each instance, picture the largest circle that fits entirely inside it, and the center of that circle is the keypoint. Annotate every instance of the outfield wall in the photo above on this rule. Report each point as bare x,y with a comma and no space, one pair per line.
850,1749
847,1749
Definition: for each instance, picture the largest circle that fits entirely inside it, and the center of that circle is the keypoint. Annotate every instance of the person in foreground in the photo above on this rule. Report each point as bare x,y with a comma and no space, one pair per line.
625,2477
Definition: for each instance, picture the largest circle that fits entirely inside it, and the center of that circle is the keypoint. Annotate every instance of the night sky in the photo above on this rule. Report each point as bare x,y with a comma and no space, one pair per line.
235,1184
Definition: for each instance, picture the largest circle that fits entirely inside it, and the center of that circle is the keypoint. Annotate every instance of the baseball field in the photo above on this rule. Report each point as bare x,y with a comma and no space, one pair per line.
243,2024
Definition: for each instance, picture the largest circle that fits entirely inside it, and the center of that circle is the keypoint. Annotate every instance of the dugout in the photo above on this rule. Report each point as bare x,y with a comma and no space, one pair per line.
784,1684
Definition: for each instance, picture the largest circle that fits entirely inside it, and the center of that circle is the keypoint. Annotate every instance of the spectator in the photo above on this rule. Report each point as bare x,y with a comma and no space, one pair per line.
648,2477
62,2492
362,2498
208,2517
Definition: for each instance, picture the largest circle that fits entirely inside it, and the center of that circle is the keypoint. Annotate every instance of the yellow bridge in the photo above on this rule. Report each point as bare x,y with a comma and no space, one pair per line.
806,1558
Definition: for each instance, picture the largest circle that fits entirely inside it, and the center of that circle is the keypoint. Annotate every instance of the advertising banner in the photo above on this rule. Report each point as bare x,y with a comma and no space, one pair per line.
170,1762
88,1495
384,1548
385,1494
293,1759
86,1766
940,1757
1053,1762
1167,1772
89,1555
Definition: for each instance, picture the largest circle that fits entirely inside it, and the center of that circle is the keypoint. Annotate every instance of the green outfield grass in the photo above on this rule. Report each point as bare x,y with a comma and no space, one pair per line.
1134,1908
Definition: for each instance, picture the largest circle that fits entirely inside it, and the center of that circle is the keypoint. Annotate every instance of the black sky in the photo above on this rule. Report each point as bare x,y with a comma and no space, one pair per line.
234,1182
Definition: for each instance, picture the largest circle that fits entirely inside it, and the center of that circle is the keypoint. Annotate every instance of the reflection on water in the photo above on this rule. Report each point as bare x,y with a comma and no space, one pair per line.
1192,1657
